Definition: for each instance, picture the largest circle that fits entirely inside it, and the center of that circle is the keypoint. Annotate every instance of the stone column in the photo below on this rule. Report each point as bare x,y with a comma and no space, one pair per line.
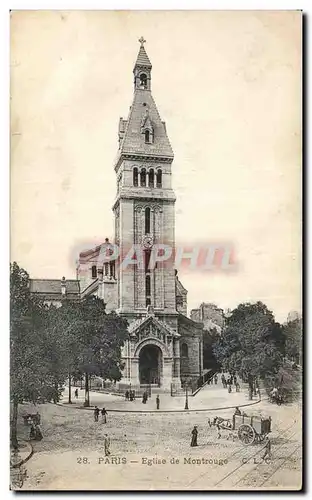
167,374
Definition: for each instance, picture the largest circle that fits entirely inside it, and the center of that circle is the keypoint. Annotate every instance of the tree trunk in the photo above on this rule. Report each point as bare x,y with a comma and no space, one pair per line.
14,441
55,396
69,388
87,394
251,386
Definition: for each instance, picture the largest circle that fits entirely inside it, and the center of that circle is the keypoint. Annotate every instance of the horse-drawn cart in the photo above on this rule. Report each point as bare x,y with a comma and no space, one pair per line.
250,429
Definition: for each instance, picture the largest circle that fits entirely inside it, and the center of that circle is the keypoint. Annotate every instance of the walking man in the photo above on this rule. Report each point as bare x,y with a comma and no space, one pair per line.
127,395
96,414
194,436
103,413
76,393
106,445
267,452
157,402
216,379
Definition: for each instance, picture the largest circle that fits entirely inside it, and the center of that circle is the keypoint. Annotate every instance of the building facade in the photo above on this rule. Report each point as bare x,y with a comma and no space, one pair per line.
164,347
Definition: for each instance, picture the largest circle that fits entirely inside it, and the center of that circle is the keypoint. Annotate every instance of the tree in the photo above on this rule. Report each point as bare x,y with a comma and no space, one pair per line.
252,343
30,379
92,340
210,338
293,339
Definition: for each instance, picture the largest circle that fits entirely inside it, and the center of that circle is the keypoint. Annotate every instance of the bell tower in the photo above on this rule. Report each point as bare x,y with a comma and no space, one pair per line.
145,201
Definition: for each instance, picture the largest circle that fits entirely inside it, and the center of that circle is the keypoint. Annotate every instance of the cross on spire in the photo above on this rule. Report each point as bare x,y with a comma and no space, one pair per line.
142,41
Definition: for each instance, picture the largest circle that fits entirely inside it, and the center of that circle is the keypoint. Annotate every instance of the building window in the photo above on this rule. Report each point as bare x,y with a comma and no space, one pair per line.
135,177
143,81
147,220
151,178
143,177
93,270
147,136
148,285
159,178
184,350
147,256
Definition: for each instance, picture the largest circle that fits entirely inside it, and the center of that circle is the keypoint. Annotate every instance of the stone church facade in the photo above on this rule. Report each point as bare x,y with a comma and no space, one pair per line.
165,346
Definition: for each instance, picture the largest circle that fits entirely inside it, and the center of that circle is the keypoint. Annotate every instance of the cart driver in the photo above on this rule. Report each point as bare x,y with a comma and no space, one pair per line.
237,411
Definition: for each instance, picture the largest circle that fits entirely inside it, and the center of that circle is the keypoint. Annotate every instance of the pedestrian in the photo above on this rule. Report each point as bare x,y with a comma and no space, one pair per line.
144,397
37,418
127,395
229,388
96,414
216,379
106,445
38,433
157,402
32,431
235,380
103,413
76,393
194,436
267,452
237,411
237,387
133,395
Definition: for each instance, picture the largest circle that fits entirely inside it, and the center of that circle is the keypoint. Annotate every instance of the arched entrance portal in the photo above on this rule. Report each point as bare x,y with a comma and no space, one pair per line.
150,365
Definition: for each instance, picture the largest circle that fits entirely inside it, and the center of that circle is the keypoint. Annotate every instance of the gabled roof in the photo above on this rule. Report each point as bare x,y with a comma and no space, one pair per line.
142,59
138,324
51,288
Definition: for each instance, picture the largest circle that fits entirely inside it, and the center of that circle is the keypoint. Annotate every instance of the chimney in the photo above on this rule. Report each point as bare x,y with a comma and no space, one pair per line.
63,286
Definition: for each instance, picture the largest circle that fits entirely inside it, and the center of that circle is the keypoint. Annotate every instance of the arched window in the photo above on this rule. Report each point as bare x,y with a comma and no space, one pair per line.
184,350
151,178
147,136
147,257
93,270
147,220
143,80
159,178
148,285
143,177
135,177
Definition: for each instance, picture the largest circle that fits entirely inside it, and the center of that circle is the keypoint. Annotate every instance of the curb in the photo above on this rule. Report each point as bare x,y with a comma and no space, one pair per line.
163,411
24,460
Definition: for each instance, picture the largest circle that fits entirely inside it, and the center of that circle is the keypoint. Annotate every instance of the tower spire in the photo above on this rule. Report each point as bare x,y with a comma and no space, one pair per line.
142,68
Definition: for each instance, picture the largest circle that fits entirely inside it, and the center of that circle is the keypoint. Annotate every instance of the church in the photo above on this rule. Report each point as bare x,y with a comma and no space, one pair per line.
165,347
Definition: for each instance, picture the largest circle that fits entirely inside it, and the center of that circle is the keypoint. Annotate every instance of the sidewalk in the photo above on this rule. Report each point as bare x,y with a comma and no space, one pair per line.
210,397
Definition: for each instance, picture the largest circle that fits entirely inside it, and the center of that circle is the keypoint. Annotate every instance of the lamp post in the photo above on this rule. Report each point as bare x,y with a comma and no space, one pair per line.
186,396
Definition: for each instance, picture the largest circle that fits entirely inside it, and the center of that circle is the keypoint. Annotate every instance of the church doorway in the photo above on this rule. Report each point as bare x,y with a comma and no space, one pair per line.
150,365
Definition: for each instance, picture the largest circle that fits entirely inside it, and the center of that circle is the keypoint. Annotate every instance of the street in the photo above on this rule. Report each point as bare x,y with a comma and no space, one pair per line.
152,451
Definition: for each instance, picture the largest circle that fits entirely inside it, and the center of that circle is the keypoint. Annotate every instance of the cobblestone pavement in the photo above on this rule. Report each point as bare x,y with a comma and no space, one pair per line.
71,455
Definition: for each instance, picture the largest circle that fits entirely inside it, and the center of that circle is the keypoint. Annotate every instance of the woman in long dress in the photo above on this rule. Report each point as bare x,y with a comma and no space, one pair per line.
194,436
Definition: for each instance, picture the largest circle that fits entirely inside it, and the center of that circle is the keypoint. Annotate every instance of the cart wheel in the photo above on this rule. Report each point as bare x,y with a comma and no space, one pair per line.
246,434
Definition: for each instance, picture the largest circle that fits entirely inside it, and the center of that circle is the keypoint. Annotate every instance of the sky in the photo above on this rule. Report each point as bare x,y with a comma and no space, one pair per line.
228,85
